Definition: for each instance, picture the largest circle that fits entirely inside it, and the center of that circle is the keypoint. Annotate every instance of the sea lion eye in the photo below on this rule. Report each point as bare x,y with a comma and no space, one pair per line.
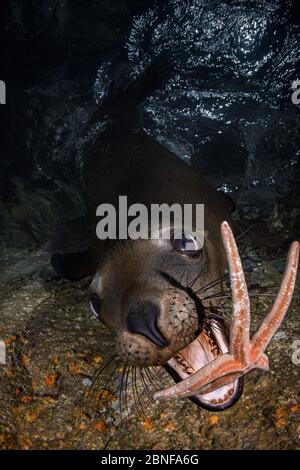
186,245
95,305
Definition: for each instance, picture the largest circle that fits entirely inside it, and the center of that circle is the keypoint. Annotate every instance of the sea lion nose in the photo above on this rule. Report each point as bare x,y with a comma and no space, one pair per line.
143,321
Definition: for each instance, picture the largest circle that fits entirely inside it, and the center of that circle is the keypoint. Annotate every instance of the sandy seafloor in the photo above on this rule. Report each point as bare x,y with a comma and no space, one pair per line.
55,348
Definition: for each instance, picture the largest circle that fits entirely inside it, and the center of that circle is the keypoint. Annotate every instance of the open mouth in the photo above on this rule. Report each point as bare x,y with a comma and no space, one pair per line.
211,343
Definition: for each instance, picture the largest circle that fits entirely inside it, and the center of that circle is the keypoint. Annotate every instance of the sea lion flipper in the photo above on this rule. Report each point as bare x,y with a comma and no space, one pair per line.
150,79
75,265
130,97
73,253
230,203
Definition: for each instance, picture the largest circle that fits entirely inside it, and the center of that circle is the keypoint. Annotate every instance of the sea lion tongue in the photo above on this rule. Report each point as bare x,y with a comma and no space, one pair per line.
210,343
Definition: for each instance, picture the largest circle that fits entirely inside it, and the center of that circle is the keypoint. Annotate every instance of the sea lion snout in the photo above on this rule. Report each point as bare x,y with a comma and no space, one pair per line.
145,300
155,329
144,321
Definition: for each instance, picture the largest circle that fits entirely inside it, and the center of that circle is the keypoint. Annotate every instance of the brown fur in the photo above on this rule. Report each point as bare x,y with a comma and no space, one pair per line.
124,160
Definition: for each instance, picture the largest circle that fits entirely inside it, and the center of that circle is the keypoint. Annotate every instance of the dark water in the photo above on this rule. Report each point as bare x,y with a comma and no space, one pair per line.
226,107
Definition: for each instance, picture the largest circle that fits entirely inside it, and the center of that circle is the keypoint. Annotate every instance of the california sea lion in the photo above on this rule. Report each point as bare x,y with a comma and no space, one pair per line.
153,295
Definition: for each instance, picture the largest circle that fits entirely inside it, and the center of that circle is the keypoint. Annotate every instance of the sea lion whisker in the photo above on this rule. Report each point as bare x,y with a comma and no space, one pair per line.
181,277
135,393
187,321
136,370
145,386
227,289
132,387
147,377
225,314
245,231
136,389
190,286
96,375
104,389
228,296
116,365
214,315
217,315
142,378
121,390
215,295
213,283
152,378
127,373
212,291
176,339
100,351
99,372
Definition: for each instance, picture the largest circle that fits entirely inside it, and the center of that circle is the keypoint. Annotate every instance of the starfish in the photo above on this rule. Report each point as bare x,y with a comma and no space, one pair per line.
245,353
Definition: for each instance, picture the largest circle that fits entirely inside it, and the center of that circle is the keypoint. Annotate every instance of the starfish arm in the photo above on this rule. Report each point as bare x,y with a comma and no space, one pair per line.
220,382
262,362
240,322
212,371
237,371
270,325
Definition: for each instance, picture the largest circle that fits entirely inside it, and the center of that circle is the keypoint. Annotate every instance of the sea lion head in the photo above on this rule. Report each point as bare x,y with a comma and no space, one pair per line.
158,298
